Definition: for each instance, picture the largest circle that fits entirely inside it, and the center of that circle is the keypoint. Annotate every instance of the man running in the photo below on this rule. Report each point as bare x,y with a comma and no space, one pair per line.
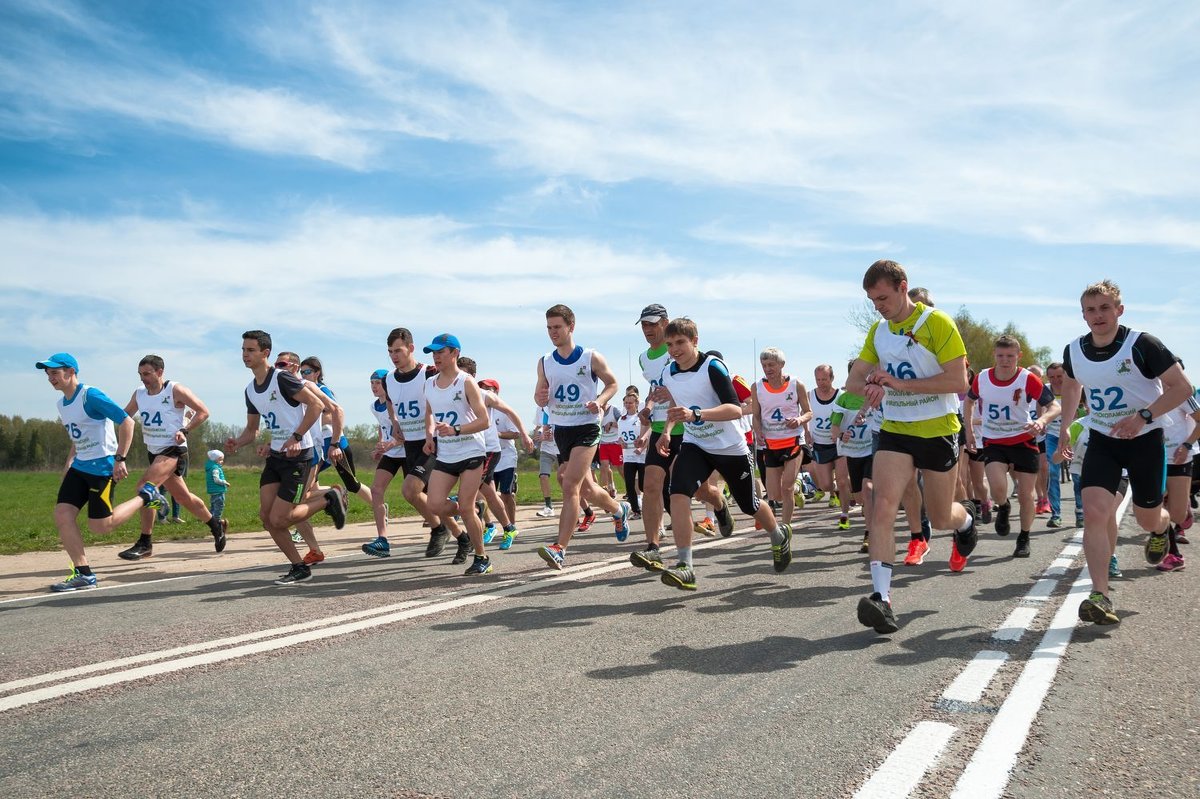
780,412
161,406
913,364
101,434
566,387
289,407
1132,381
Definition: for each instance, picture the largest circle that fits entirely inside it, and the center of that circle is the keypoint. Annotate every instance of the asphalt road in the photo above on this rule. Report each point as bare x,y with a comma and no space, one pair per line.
595,682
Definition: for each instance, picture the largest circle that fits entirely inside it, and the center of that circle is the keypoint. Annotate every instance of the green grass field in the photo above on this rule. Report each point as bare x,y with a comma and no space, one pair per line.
27,505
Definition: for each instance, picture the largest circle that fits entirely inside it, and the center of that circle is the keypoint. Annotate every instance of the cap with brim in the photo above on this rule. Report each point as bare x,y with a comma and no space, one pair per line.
379,374
442,341
653,313
59,360
488,382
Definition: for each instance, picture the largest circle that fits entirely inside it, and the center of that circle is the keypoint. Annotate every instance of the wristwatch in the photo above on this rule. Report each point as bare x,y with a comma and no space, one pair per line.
1147,417
119,458
298,436
457,429
696,415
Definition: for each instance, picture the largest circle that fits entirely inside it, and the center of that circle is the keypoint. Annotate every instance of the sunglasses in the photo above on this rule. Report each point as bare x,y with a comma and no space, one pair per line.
283,364
306,371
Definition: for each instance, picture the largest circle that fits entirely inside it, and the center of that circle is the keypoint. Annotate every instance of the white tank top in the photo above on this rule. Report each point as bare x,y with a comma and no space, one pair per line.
93,438
776,407
1115,388
508,446
1181,426
694,390
491,438
279,417
611,416
159,417
652,371
1004,409
380,411
820,425
861,434
546,447
450,405
628,428
409,401
906,358
572,386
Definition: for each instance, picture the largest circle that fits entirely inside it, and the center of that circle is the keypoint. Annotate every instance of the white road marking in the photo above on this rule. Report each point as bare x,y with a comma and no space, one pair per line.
1015,625
975,678
180,658
908,762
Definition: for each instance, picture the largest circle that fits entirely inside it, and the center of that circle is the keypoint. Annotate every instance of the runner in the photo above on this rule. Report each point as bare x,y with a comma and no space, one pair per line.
1005,392
566,387
289,407
160,405
633,460
921,364
101,434
506,467
388,457
311,369
1043,475
609,453
1054,379
455,420
1132,381
780,411
655,487
405,390
820,400
699,391
543,434
855,429
1180,439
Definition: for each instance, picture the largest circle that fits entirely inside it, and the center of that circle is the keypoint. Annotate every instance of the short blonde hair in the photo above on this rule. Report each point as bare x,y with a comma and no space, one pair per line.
1105,288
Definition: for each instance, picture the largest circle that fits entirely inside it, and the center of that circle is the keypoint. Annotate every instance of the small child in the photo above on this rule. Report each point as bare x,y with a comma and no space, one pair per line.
215,482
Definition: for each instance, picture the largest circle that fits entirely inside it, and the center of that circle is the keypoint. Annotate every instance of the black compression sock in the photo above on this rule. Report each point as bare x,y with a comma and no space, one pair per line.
84,570
144,540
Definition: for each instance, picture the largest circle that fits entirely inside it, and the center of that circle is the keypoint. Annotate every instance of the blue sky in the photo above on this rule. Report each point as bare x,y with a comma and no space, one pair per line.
172,174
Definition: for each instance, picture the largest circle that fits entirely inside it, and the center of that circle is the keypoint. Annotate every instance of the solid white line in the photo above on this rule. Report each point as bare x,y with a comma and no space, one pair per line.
990,768
908,762
975,678
1041,590
1015,625
341,625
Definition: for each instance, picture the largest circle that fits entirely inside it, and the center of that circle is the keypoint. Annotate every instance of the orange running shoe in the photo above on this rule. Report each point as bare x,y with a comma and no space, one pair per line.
917,547
313,556
957,562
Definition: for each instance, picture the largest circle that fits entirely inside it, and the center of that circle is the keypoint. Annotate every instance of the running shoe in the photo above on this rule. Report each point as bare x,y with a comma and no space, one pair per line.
818,495
986,515
490,532
313,557
1186,524
1054,522
781,554
75,582
1002,524
917,549
296,537
437,542
464,547
553,555
681,576
843,522
876,613
649,559
1079,520
635,516
480,565
621,521
1043,506
298,572
724,520
705,527
545,513
1156,548
866,544
1098,609
834,502
1022,550
507,541
335,506
1113,569
379,548
1171,563
219,539
136,552
153,497
963,544
589,516
798,497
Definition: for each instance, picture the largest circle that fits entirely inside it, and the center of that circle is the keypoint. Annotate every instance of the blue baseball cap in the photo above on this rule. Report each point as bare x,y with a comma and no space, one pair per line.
379,374
442,341
59,360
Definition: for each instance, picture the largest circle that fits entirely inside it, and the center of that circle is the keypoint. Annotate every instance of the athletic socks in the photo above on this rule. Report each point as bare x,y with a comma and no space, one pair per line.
881,579
84,570
685,555
962,528
546,500
508,528
776,536
144,540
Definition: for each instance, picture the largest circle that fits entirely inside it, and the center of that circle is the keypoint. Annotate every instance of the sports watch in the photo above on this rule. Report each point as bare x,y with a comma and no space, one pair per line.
1147,417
